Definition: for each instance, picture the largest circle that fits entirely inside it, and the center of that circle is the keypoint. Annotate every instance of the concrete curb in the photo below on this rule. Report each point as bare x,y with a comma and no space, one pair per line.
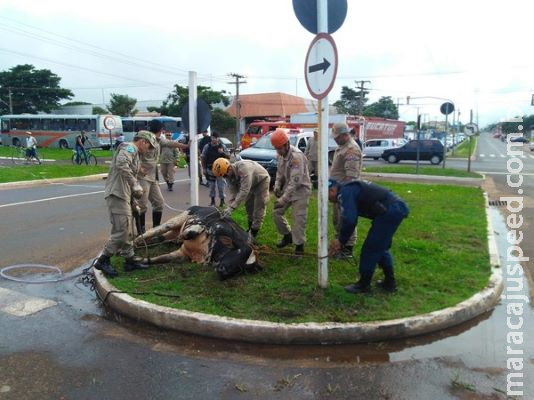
424,178
307,333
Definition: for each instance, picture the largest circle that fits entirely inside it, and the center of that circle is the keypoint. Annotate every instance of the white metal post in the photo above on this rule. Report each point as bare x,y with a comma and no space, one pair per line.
322,150
193,140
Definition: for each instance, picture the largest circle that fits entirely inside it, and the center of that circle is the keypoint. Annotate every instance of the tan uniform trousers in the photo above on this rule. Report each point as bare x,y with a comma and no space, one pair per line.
120,240
152,193
299,216
256,204
167,171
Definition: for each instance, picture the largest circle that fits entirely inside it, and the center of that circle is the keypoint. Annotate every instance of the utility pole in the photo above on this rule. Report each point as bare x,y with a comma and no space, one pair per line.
10,101
237,82
360,102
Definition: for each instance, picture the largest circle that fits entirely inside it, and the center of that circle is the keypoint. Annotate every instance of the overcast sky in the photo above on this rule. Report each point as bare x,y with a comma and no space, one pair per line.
477,54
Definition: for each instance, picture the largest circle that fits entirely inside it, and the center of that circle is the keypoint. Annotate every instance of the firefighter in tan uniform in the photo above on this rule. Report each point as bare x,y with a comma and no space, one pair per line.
292,188
247,182
148,177
346,167
121,186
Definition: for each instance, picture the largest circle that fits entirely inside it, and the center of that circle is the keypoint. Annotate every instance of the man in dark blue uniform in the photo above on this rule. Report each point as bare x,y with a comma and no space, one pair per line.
386,210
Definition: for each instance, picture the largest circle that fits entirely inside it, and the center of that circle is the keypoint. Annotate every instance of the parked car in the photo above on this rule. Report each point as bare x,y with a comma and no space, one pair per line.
373,148
229,145
519,139
429,150
264,153
531,146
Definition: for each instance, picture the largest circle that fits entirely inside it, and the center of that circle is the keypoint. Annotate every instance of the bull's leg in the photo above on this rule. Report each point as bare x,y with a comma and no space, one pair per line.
176,257
172,225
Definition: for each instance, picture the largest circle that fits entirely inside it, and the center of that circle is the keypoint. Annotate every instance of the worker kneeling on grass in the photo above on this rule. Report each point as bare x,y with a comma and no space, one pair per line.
386,210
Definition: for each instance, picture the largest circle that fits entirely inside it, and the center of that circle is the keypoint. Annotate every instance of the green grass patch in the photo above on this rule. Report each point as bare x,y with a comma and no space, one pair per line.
440,252
462,150
48,171
56,154
423,170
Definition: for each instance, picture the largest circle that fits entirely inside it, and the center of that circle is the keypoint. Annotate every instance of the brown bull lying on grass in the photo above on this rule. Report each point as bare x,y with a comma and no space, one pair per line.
203,236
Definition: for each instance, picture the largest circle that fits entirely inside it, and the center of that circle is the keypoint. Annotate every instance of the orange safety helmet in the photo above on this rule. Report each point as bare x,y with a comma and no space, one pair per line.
280,137
220,167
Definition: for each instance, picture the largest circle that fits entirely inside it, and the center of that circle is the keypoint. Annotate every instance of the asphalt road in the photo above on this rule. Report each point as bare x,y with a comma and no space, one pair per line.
56,342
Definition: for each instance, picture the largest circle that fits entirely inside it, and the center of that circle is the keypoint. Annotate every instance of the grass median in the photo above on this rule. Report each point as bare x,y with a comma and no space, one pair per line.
441,259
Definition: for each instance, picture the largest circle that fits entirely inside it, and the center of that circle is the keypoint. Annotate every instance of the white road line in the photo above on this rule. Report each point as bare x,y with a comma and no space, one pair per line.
50,199
21,305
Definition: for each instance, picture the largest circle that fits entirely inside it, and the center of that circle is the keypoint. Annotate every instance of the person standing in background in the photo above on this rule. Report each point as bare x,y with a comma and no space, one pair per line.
211,152
167,162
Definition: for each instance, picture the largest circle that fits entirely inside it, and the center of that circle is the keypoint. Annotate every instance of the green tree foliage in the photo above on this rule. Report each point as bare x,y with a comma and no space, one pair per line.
99,110
350,101
222,122
32,90
177,99
383,108
76,103
513,127
122,105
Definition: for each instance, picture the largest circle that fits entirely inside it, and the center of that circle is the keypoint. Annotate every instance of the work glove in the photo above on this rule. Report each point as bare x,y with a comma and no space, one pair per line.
227,213
137,191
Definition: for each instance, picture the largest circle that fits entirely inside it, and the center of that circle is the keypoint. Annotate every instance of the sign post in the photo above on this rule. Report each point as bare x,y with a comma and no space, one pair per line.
446,109
470,130
321,17
109,124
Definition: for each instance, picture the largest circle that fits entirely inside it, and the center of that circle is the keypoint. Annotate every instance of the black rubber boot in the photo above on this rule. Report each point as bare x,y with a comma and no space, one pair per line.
254,232
142,223
156,218
133,263
299,249
221,204
388,284
249,225
362,286
212,202
103,263
286,240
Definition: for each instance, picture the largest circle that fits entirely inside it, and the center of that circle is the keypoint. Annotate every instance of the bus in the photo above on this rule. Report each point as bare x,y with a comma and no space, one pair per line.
132,125
55,130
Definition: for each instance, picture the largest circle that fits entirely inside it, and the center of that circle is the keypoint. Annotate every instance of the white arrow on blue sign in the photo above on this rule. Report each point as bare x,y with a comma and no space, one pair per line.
321,65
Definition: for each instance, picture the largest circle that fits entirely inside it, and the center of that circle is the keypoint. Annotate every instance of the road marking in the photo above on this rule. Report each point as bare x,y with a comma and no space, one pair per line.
69,196
21,305
50,199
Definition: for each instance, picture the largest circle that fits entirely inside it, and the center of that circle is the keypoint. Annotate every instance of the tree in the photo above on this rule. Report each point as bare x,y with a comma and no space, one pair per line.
76,103
28,90
177,99
122,105
384,108
350,101
99,110
222,122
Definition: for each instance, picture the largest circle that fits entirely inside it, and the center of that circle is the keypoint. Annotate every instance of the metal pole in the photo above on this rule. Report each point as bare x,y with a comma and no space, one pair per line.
445,139
322,150
193,140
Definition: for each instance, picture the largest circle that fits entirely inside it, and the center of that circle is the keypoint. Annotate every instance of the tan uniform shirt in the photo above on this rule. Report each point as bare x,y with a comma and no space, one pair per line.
149,160
248,174
122,177
168,155
311,150
292,176
347,163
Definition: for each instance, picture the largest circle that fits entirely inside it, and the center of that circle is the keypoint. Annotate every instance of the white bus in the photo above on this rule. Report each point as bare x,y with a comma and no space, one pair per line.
132,125
52,130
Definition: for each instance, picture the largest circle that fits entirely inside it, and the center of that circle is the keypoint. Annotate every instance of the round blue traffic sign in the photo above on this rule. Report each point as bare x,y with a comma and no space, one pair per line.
306,12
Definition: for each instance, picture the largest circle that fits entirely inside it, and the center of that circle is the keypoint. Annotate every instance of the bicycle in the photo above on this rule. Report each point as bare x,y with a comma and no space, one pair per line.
90,159
19,156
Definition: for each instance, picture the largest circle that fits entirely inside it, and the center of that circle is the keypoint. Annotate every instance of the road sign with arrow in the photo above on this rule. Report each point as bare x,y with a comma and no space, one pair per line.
320,68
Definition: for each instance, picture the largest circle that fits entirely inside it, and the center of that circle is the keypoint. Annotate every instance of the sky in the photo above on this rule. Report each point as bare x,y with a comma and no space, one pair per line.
475,54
